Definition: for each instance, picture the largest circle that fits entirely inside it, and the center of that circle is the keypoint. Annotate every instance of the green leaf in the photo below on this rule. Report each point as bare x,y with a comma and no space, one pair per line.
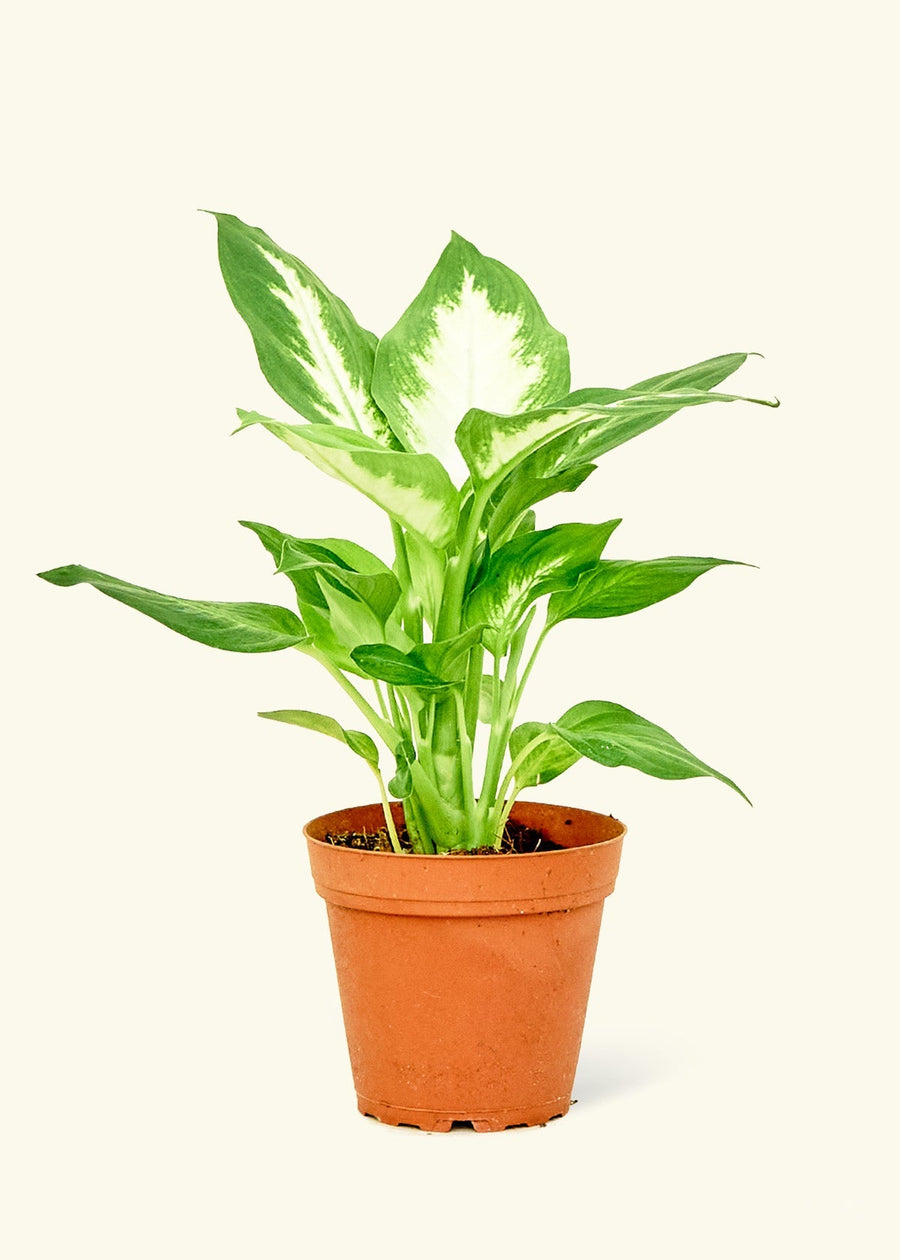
486,699
413,489
548,759
351,621
448,658
474,337
232,627
528,566
357,741
522,491
705,375
614,736
348,565
401,784
310,348
614,588
494,446
427,568
401,669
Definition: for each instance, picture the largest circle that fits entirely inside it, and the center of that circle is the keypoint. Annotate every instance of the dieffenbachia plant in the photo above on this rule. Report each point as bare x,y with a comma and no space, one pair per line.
456,424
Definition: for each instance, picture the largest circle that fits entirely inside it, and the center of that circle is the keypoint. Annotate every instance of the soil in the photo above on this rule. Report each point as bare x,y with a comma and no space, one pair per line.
517,838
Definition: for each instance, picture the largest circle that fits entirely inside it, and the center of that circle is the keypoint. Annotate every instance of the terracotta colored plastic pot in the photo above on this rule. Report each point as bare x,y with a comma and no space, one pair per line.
464,980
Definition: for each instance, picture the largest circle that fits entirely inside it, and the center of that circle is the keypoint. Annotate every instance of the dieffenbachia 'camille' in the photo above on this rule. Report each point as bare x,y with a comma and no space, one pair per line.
456,423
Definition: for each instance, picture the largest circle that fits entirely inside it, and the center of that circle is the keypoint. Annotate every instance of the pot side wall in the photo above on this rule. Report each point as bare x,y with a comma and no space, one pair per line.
464,981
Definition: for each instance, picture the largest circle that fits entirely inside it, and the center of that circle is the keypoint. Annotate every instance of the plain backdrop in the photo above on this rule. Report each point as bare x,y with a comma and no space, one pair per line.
674,182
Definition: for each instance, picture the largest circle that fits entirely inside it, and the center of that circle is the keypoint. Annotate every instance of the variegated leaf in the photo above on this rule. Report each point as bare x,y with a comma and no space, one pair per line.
413,489
310,348
528,566
474,337
494,446
704,375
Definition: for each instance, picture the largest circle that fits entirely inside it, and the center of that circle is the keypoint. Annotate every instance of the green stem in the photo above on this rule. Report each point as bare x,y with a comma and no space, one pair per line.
529,666
517,761
381,701
388,816
388,733
465,748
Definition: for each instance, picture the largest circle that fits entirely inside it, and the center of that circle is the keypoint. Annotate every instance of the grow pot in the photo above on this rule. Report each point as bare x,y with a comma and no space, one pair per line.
464,980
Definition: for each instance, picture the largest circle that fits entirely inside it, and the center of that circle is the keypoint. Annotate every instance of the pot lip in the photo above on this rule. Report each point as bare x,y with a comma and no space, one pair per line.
540,854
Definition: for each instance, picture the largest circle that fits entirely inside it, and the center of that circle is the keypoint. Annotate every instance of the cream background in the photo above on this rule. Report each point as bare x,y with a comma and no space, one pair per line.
674,181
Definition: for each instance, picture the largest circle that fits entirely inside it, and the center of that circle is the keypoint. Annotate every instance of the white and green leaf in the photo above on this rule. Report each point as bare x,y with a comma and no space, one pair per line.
357,741
558,438
414,490
528,566
473,337
233,627
310,348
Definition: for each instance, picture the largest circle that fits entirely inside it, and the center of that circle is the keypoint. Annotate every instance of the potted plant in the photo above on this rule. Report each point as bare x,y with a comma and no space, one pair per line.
464,921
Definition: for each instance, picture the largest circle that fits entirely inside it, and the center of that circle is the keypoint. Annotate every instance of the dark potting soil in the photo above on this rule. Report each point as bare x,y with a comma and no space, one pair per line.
517,838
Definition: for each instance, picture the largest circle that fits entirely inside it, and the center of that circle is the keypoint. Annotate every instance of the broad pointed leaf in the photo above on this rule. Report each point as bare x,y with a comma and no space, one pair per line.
387,663
448,658
614,736
548,759
474,337
357,741
528,566
358,570
413,489
522,491
614,588
494,445
310,348
704,375
233,627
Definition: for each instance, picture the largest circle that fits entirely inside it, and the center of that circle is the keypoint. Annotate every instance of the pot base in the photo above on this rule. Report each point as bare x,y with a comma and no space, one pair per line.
443,1121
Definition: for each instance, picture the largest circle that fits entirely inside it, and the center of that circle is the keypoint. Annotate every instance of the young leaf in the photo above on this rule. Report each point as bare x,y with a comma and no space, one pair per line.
310,348
448,658
413,489
528,566
522,491
614,588
474,337
401,784
348,566
358,741
351,621
427,568
486,699
232,627
401,669
614,736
